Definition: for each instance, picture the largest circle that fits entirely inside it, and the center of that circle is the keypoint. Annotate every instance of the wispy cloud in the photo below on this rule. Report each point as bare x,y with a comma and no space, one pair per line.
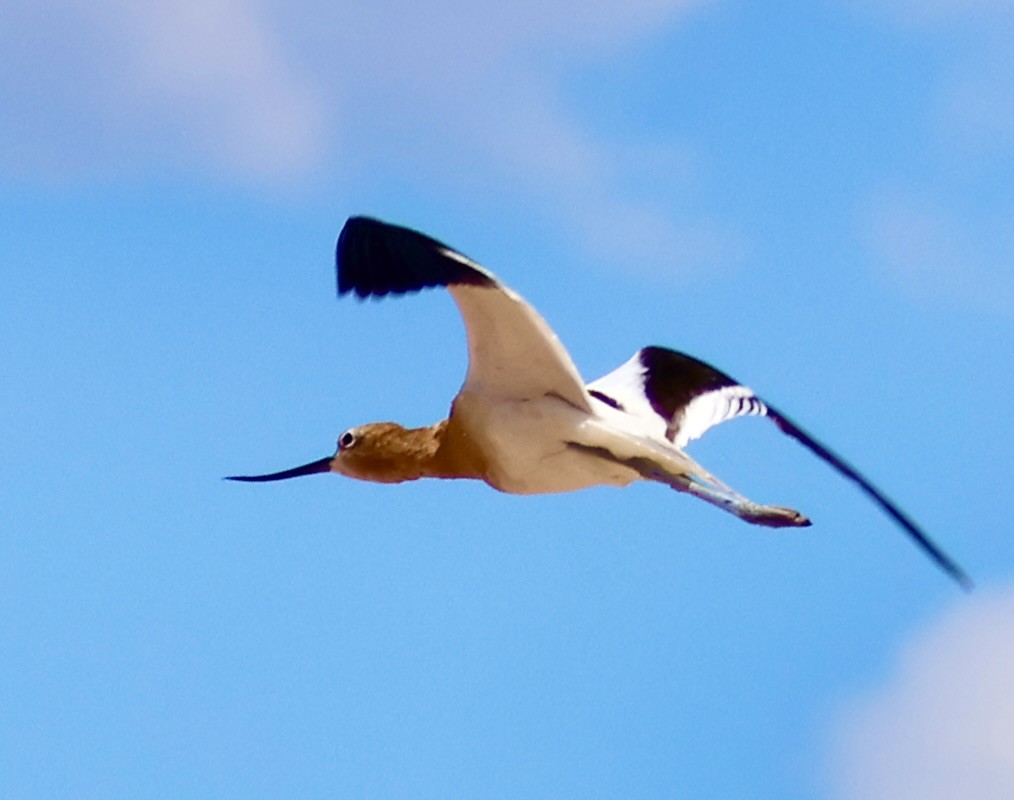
947,237
112,85
462,93
940,256
943,727
217,68
974,110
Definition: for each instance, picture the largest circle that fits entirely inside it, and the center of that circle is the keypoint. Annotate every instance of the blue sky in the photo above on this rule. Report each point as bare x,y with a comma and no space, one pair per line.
815,197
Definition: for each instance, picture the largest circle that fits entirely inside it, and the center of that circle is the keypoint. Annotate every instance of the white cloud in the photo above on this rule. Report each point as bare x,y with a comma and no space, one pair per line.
948,238
217,68
943,727
975,113
468,95
938,255
459,92
108,85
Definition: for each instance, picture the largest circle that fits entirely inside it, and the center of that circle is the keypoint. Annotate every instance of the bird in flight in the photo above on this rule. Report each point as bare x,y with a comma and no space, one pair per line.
526,423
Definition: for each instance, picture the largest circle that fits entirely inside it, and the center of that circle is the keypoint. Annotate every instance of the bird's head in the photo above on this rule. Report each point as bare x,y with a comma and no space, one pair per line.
382,452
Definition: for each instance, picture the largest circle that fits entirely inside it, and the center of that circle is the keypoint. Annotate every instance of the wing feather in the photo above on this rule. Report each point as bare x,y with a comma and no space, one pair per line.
512,351
687,397
682,396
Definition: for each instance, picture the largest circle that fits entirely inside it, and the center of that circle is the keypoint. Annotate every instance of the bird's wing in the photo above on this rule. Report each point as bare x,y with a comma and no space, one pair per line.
512,352
686,397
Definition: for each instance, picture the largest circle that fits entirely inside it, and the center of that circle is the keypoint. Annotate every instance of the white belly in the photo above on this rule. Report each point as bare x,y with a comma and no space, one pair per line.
527,446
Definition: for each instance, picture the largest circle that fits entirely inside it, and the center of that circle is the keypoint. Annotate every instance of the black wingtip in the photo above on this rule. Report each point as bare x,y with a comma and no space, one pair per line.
672,379
888,506
375,258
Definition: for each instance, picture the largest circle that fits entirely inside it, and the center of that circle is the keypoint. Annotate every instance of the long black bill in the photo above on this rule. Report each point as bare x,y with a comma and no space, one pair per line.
324,465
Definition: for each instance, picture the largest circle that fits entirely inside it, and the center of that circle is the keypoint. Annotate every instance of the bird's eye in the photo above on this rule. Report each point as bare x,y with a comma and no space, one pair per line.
346,440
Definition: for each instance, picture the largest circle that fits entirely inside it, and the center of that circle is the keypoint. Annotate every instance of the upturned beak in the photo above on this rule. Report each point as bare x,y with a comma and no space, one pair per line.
323,465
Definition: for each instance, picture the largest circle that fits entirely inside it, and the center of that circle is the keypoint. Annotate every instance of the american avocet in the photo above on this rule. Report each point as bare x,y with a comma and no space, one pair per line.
524,421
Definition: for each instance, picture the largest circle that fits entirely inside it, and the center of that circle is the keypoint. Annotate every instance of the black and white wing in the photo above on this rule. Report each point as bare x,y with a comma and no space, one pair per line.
684,397
512,352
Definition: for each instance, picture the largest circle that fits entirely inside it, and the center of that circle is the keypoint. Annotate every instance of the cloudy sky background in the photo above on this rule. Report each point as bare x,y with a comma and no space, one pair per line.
815,197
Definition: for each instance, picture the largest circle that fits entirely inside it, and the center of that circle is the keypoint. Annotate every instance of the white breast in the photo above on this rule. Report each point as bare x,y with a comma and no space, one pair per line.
526,445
